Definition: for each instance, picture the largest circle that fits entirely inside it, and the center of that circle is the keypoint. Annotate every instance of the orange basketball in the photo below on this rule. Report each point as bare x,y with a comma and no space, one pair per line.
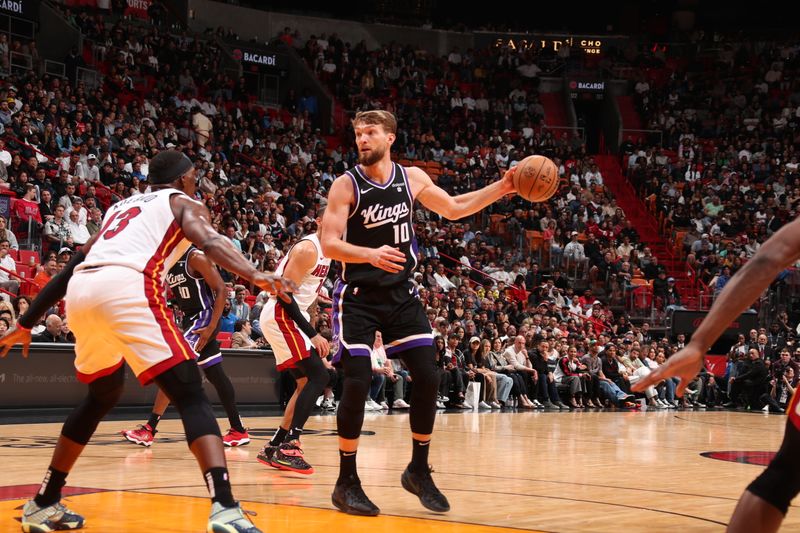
536,178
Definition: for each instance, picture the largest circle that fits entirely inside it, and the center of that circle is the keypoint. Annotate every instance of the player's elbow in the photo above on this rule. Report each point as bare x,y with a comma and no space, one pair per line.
328,247
451,211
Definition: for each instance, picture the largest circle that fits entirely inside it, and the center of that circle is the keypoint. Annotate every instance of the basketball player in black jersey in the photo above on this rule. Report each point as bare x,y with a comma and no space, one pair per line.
200,293
368,228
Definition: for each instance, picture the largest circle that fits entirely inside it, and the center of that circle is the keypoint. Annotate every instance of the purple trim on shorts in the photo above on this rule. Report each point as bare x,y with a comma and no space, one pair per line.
337,344
210,361
416,343
358,352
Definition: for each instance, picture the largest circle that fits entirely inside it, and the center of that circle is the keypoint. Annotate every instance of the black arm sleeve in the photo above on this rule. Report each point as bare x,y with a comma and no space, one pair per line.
51,293
295,314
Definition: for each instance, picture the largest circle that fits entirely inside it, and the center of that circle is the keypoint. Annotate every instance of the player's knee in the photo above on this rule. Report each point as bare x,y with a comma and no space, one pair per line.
358,373
213,373
423,370
315,372
104,393
183,385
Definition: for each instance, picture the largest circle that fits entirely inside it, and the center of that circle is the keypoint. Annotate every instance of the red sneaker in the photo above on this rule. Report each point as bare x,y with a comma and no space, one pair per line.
142,436
235,438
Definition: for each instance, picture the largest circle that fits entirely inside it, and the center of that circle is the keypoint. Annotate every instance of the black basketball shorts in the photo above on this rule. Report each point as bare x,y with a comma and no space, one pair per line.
358,312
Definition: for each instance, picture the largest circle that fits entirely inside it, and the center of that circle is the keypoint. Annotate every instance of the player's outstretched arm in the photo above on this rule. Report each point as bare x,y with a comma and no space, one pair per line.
780,251
454,207
340,198
195,221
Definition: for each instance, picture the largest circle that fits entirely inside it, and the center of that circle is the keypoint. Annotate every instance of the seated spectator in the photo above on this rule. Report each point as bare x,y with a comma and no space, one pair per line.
7,234
52,331
376,400
571,373
228,319
781,392
7,281
239,308
79,232
241,336
749,383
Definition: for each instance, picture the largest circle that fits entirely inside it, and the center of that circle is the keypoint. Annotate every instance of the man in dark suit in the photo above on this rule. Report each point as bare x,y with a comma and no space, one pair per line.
52,331
765,351
751,382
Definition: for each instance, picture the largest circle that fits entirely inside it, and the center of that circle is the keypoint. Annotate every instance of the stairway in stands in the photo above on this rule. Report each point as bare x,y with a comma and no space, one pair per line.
555,114
645,223
630,118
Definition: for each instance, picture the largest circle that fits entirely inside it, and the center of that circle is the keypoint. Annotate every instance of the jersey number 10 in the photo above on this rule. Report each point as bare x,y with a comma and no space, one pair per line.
401,233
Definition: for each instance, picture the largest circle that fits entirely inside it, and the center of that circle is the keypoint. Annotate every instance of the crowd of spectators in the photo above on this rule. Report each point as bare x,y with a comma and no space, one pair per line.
726,175
538,323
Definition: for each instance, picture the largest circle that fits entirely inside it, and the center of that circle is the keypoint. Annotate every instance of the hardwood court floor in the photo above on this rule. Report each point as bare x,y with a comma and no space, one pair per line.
539,471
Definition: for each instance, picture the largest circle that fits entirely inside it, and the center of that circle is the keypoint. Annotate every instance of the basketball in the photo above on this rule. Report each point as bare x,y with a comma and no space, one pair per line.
536,178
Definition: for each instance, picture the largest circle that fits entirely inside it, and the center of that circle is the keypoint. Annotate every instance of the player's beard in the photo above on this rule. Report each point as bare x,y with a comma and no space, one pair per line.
371,157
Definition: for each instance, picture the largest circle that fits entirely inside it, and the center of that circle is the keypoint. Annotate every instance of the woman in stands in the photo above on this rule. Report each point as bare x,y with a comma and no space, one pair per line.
456,313
503,382
569,372
473,362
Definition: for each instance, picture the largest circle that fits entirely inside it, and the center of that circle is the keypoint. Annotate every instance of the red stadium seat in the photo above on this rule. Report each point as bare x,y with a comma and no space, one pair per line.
225,339
25,257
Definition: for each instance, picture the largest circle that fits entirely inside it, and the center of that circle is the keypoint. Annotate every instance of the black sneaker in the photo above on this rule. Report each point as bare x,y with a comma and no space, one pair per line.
289,456
349,497
421,484
265,455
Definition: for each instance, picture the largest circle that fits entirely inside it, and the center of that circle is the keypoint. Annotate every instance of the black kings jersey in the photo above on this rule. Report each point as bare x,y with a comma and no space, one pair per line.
382,215
193,295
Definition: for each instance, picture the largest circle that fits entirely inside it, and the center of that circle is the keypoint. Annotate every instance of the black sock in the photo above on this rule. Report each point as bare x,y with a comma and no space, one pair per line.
347,465
153,421
50,491
278,437
294,434
419,455
219,486
236,422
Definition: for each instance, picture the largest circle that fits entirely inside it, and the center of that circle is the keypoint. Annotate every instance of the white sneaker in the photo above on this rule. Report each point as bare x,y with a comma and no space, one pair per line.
320,400
54,517
400,404
484,405
466,405
496,405
374,406
327,404
536,403
765,409
440,404
230,519
444,399
383,406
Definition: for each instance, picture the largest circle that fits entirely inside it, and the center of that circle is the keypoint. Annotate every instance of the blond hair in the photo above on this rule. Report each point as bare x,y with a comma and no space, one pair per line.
379,117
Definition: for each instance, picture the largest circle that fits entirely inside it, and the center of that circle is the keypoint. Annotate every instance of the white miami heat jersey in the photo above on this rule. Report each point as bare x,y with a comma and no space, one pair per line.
141,233
309,287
